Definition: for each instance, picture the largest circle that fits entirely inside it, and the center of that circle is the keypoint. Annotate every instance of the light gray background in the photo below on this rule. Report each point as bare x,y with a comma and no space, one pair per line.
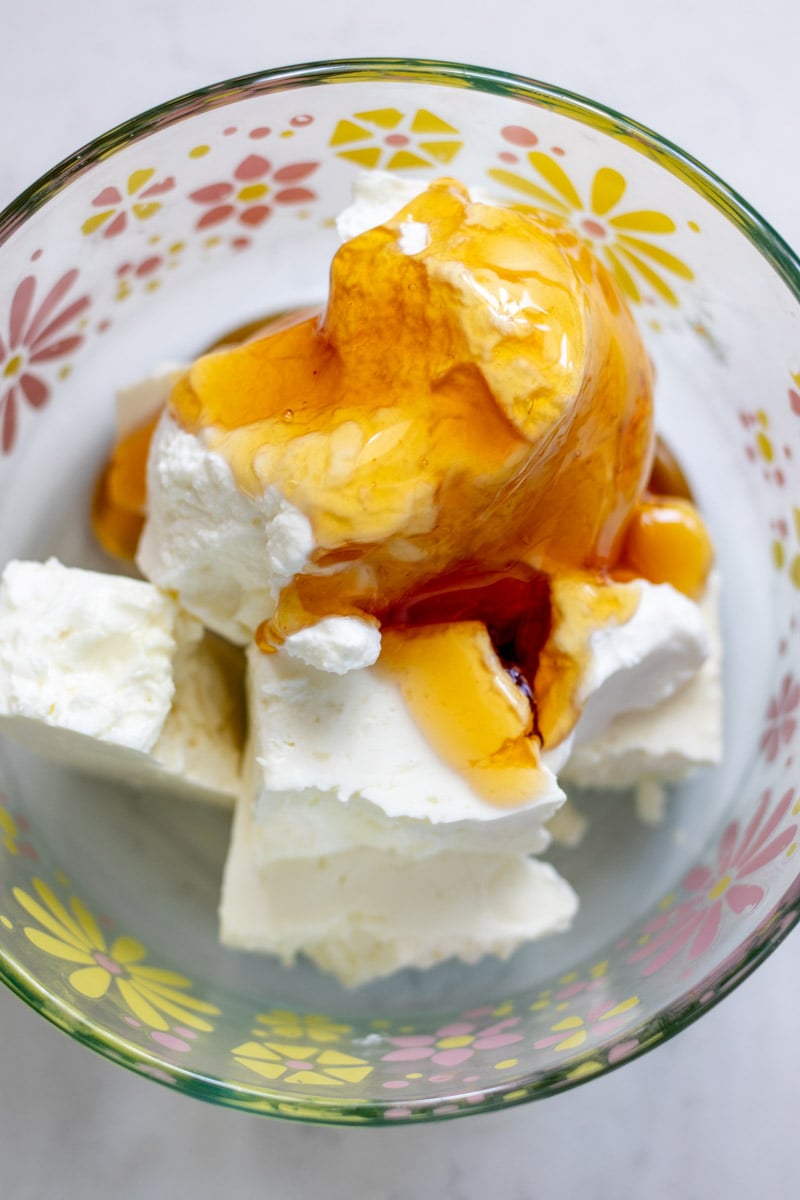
713,1113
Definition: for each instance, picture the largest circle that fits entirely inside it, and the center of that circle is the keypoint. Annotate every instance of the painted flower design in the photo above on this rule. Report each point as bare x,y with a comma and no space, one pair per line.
453,1044
729,886
301,1063
628,240
147,272
569,1033
763,450
12,834
394,141
37,335
155,997
249,196
781,718
137,200
290,1026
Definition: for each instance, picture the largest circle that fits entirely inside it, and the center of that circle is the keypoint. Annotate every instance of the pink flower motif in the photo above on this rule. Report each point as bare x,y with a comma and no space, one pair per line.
139,200
781,718
453,1044
35,336
244,198
696,922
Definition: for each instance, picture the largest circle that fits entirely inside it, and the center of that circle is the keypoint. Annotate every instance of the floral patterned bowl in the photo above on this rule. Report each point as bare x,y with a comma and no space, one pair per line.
218,207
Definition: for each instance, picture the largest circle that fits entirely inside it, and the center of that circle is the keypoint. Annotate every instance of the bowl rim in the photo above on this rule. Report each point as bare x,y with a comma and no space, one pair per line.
786,264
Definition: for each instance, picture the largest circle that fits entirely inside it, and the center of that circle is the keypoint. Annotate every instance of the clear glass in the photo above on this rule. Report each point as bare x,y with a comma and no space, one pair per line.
216,208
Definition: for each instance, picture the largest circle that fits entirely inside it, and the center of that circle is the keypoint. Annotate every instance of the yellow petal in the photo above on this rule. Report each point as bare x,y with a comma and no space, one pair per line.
88,924
368,157
428,122
405,158
179,1012
7,823
268,1069
556,176
66,933
138,179
568,1023
159,990
442,152
656,282
658,254
301,1052
618,1009
160,975
645,221
386,118
140,1007
127,950
622,275
335,1058
143,211
91,981
57,948
96,220
519,183
314,1077
255,1050
608,188
571,1043
349,1074
348,131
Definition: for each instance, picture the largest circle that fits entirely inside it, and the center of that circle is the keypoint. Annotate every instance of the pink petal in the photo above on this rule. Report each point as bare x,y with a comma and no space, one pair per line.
295,172
69,314
794,400
769,743
20,308
215,216
255,214
772,850
776,818
212,193
746,844
35,391
158,189
698,879
452,1058
3,351
707,931
117,225
57,349
252,167
773,708
497,1040
622,1050
572,990
409,1054
294,195
500,1026
455,1029
741,896
792,698
543,1043
727,846
9,420
108,196
788,726
148,266
50,303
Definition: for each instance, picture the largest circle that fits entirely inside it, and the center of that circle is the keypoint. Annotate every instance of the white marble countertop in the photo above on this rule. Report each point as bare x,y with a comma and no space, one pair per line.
712,1113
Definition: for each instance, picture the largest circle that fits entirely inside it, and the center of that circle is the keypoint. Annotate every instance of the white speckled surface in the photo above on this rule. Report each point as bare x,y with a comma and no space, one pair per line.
710,1114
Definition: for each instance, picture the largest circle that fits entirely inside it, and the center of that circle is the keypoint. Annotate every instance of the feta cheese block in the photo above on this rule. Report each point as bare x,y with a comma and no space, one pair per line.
340,763
107,675
224,554
363,913
668,740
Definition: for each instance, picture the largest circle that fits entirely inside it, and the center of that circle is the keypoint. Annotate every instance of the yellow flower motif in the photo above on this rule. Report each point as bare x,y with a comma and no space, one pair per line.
623,239
301,1063
71,934
394,141
138,200
9,833
299,1027
571,1032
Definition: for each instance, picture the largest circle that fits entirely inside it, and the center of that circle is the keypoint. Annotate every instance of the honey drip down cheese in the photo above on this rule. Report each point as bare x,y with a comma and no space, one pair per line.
476,411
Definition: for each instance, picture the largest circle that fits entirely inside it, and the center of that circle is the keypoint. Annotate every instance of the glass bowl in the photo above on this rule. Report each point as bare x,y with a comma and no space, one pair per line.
216,208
